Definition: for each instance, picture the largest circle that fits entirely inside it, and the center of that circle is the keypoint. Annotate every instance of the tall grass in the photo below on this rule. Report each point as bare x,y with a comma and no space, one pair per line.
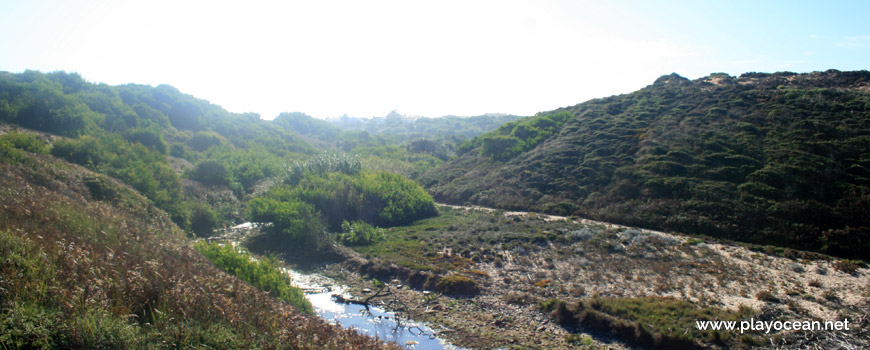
264,274
77,272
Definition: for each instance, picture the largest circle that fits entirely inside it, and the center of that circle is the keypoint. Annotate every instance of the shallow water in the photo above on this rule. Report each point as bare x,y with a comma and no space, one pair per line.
375,321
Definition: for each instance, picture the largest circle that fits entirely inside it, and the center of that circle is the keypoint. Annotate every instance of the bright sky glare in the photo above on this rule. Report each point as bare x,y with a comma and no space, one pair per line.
430,58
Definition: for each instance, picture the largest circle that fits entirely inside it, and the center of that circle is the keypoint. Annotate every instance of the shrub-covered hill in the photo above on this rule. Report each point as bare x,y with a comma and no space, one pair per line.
156,139
87,262
781,159
195,160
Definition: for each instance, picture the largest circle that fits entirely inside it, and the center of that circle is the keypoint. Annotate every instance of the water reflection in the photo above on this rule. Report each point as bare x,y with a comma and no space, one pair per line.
373,321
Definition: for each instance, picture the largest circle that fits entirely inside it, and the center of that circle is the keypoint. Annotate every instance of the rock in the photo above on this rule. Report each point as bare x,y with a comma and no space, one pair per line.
366,290
411,342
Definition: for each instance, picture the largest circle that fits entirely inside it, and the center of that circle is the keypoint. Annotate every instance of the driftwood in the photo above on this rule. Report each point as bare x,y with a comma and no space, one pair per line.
341,299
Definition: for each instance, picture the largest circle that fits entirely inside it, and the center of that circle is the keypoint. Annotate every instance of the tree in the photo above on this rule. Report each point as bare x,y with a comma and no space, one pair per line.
202,220
186,115
211,172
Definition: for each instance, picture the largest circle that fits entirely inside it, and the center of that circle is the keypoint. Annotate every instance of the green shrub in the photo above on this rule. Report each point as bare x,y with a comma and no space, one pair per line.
265,274
322,165
150,138
202,141
211,172
516,137
25,141
9,154
298,221
499,147
549,304
144,169
357,233
378,198
203,220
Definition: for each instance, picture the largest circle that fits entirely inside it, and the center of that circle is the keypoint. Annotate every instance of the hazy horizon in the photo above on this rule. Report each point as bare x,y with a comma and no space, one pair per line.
327,59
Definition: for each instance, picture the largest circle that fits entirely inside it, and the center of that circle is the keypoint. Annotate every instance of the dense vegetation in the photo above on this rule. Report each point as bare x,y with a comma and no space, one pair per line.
357,233
764,158
409,146
330,190
88,263
264,274
146,136
513,138
409,129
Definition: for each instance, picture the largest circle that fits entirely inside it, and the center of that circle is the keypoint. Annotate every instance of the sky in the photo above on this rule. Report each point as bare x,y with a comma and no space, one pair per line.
428,58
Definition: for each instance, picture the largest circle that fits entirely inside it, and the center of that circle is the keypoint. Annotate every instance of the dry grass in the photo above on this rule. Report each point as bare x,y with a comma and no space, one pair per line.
580,259
118,273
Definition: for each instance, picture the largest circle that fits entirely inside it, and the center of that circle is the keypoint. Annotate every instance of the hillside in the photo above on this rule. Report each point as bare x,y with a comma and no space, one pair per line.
193,159
780,159
89,263
410,128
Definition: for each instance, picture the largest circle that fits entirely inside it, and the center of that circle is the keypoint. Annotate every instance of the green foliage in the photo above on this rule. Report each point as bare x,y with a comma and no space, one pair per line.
126,132
146,170
333,190
411,147
186,115
150,138
760,158
296,220
202,141
24,141
513,138
264,274
306,125
379,198
398,201
550,304
203,221
118,275
322,165
500,147
34,101
10,154
211,173
357,233
408,129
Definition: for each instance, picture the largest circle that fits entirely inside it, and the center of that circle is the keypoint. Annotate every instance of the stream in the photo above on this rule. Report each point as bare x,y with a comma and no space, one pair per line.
374,321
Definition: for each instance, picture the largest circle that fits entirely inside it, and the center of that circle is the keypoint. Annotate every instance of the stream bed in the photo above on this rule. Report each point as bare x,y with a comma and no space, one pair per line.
374,321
